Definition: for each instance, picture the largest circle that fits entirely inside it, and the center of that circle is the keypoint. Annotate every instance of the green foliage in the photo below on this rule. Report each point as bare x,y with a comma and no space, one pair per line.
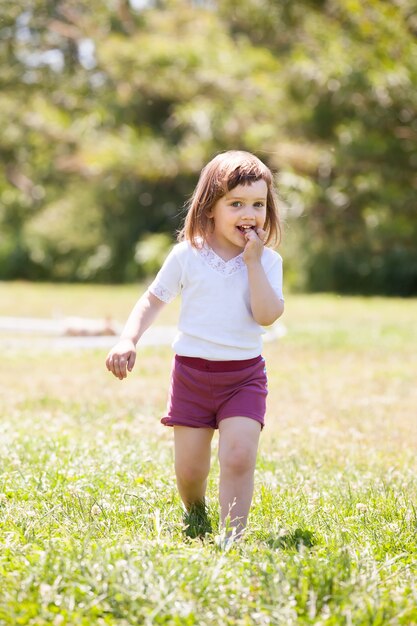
151,252
110,111
363,222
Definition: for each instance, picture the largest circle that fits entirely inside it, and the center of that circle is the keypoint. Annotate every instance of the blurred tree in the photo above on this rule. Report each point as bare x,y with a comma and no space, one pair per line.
350,76
111,109
125,107
43,91
363,226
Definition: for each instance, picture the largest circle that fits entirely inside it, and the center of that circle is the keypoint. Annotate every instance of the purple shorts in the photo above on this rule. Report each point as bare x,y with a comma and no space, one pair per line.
202,393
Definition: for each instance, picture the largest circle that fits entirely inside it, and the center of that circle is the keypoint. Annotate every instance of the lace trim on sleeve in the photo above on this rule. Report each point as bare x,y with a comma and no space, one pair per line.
163,294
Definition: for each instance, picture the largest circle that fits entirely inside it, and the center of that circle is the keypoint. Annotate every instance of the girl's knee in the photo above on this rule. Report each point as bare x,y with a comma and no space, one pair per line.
237,458
238,444
190,474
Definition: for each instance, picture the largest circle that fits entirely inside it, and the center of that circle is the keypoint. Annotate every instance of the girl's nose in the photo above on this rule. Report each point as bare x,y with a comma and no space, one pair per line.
248,214
248,210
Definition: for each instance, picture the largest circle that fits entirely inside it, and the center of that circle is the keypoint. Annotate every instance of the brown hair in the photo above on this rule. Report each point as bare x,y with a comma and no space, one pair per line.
222,174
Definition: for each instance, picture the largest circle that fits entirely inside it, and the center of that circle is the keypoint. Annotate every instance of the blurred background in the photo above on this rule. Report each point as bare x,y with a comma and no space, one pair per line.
109,110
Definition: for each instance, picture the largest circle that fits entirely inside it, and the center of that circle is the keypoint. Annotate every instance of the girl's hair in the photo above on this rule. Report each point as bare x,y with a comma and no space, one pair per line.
222,174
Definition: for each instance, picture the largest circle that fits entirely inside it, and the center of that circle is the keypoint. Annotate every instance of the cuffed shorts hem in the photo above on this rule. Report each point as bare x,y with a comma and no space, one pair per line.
180,421
257,418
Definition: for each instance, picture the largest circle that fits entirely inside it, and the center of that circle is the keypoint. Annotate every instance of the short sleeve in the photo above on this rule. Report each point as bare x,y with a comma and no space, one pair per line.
274,274
167,283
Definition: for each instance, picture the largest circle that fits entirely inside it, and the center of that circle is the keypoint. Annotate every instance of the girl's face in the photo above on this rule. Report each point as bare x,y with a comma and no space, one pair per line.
241,208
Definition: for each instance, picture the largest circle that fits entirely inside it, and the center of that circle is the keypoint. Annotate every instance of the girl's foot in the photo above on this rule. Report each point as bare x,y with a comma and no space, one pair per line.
196,521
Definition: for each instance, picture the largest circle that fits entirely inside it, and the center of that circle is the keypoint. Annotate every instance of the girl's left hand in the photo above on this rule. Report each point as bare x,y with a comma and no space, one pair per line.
255,245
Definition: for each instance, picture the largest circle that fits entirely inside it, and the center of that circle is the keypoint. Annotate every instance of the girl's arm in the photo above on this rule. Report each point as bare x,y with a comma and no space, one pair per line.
265,304
122,356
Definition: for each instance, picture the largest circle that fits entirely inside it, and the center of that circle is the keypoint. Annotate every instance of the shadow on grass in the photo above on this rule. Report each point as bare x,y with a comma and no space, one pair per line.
292,540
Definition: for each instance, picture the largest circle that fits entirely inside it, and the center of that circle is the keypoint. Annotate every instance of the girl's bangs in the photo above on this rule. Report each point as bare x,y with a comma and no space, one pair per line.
245,176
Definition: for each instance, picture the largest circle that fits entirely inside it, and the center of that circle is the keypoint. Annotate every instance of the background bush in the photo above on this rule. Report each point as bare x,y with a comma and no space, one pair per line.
110,110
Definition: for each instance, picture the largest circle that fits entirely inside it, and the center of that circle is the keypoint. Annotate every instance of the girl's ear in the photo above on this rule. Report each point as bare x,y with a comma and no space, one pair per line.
210,219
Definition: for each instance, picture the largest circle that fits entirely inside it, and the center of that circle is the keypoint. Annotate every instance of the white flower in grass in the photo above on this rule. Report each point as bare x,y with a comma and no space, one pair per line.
361,507
45,591
95,510
128,508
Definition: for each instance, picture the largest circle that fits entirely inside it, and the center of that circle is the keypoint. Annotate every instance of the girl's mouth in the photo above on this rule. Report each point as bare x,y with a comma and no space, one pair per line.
244,229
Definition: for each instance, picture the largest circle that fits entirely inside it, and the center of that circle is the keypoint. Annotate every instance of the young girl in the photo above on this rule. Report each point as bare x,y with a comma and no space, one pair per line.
231,286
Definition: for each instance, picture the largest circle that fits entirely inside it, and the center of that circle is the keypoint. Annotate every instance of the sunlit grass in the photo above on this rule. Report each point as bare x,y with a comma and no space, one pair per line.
56,301
91,524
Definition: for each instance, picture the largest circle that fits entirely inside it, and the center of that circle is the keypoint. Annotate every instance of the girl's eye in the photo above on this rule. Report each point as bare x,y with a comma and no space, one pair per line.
258,205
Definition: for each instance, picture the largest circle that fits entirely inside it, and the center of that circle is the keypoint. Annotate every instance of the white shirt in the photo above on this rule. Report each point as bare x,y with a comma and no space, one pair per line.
215,322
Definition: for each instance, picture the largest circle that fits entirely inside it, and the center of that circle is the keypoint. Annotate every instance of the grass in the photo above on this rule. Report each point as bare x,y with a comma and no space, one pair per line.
92,530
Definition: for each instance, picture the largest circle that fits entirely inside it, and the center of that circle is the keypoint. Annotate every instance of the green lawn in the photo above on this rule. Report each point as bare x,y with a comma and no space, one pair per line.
90,521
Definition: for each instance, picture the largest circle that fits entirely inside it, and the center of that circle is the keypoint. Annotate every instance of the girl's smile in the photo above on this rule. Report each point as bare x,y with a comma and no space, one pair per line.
244,228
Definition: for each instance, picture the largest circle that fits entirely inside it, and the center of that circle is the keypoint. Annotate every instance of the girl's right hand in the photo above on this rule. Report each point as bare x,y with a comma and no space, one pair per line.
121,358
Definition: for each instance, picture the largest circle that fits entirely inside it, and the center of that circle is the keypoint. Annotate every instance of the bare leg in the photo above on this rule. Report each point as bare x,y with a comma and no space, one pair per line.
238,446
192,462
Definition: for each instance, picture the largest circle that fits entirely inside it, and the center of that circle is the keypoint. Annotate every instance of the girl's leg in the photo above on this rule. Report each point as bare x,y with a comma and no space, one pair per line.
238,446
192,462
